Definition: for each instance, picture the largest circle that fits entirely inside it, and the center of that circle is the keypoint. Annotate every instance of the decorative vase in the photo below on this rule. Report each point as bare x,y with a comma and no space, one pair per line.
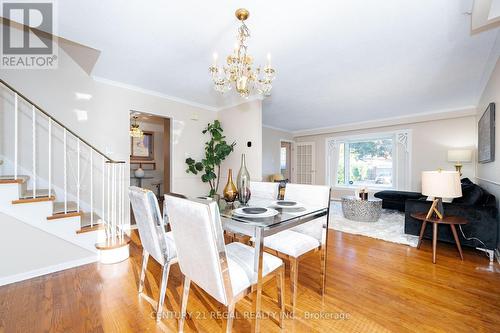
230,193
243,182
139,173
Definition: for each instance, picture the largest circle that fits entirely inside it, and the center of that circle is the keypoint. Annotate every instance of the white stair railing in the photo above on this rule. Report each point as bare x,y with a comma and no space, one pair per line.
113,182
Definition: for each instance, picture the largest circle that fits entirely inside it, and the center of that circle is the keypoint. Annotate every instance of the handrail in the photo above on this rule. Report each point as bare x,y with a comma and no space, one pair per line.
54,120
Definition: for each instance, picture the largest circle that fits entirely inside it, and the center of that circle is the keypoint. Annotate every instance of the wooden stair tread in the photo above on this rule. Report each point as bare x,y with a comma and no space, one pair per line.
85,220
111,244
89,228
39,193
31,200
72,207
64,215
9,179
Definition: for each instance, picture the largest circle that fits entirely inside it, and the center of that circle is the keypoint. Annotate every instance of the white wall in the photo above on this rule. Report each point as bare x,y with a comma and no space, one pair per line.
488,175
36,252
271,146
430,143
243,123
107,110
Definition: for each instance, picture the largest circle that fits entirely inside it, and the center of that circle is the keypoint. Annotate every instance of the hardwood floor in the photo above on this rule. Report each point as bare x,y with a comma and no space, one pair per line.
372,286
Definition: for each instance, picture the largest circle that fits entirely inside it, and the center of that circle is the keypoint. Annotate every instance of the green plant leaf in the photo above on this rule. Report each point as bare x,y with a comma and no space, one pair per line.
198,166
216,151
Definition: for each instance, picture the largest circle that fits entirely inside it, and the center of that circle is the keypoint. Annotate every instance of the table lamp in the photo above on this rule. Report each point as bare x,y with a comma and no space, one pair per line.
459,156
440,184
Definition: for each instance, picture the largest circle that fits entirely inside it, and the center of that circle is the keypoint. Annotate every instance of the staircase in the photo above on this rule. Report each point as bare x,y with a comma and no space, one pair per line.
54,180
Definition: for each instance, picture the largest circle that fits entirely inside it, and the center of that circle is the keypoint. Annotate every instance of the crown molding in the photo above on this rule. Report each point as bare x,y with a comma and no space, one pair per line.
247,100
465,111
173,98
153,93
277,128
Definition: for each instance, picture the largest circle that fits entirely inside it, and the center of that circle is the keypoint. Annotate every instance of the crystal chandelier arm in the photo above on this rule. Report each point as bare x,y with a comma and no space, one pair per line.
239,70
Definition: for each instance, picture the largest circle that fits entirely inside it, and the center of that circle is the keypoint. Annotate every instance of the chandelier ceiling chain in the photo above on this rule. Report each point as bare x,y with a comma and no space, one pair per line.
238,70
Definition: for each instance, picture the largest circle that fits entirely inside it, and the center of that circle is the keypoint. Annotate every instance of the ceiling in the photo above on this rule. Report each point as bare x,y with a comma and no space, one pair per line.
337,62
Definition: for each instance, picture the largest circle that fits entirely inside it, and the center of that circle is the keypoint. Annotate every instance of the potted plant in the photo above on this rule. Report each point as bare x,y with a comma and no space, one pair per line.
216,151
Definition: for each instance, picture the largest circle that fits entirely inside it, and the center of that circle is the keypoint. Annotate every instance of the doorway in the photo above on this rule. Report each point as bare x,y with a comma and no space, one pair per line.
150,153
305,163
286,160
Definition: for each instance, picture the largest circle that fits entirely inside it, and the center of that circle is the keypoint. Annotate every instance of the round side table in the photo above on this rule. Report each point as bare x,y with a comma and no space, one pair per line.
449,220
359,210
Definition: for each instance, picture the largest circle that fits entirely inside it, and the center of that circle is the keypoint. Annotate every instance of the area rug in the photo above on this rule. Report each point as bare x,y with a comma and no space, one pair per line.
390,226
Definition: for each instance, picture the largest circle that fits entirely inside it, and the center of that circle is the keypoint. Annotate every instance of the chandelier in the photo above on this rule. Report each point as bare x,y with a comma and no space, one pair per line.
135,131
238,70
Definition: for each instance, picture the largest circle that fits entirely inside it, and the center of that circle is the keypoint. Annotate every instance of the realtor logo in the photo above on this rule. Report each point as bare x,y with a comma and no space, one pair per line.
28,35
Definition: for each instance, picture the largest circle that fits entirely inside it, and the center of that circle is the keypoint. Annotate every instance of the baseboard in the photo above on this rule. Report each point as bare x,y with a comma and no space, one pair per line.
47,270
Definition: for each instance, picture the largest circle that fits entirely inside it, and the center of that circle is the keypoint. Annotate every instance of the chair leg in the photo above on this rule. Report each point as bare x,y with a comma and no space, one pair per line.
280,282
184,301
145,257
163,289
230,317
323,269
294,278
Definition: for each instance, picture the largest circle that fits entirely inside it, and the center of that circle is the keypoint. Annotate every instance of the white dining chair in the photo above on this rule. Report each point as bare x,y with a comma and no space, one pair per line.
226,272
155,241
259,191
307,238
264,190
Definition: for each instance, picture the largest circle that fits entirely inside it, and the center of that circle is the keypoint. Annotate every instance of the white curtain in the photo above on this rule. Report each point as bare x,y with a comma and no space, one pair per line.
402,160
332,162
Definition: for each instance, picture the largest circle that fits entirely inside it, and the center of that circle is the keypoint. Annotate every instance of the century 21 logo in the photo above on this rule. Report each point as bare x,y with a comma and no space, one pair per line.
36,17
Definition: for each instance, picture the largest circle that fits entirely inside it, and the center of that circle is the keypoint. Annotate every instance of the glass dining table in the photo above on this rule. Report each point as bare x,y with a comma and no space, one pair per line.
259,228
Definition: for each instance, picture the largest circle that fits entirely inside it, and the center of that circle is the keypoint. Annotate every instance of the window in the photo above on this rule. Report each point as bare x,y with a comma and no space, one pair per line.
365,162
283,159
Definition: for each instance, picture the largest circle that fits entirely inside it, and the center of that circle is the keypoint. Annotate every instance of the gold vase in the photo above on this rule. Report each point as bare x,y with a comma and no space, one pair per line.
230,193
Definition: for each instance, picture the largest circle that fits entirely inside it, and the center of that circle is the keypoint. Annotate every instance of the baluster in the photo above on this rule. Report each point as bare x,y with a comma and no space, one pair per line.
113,201
33,133
103,217
91,189
119,191
65,174
109,206
123,199
119,201
78,175
50,156
16,116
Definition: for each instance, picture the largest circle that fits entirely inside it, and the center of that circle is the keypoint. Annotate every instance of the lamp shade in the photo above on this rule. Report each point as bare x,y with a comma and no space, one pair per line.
460,155
441,184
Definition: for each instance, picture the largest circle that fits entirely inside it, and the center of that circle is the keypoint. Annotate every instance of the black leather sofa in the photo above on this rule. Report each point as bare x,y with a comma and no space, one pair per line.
396,199
476,205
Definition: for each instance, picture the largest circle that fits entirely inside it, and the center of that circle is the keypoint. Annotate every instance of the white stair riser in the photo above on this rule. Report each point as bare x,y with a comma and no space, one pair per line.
8,193
36,213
